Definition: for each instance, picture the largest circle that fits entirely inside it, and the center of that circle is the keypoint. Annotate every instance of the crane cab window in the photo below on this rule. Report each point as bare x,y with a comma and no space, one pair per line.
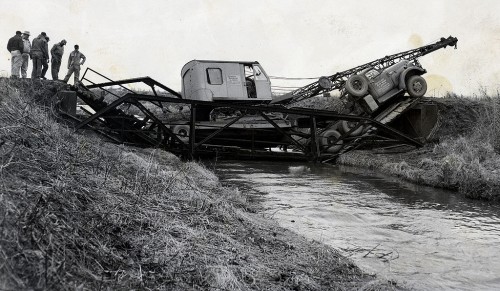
259,75
254,72
214,76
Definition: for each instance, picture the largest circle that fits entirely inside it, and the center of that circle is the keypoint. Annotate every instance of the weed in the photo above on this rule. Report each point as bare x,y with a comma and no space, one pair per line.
79,213
465,155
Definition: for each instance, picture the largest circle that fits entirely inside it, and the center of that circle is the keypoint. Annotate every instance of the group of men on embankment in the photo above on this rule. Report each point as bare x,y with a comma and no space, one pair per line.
22,50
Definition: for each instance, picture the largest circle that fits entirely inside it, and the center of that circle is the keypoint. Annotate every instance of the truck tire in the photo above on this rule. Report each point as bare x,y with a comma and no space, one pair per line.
329,140
416,86
348,125
357,86
182,132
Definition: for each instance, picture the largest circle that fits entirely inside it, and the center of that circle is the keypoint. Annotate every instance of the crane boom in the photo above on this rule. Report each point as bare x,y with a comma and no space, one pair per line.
337,80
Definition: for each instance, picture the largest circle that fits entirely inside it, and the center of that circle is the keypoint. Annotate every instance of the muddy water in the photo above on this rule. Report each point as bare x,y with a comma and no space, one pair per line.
422,237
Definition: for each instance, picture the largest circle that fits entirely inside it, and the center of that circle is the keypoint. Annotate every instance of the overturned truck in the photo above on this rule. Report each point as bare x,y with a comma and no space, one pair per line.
226,109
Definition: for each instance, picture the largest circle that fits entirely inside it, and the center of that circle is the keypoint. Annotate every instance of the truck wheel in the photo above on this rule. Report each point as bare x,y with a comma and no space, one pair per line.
416,86
182,132
329,139
357,85
348,125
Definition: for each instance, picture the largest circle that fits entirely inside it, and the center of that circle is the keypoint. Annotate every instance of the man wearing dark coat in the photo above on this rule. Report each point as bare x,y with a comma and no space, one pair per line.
16,46
39,52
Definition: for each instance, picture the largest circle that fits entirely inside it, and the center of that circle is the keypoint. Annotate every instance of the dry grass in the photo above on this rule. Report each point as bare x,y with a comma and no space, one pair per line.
465,157
80,214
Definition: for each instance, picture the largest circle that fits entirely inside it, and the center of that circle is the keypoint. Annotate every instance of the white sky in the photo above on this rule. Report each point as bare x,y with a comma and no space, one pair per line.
295,38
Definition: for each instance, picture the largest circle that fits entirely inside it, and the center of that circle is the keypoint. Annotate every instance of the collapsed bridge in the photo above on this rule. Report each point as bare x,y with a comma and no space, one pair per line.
226,110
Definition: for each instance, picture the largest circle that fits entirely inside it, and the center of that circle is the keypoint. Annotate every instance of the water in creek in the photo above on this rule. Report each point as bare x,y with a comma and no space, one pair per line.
422,237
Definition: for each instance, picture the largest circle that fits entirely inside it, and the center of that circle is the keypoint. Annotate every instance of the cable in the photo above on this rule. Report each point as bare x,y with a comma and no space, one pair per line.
283,91
285,87
285,78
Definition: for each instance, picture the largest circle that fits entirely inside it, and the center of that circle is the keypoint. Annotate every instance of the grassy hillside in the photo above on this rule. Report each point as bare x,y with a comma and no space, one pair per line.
463,155
77,213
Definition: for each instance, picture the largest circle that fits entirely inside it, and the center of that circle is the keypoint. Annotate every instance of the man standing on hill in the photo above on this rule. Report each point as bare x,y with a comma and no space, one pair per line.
56,53
26,54
45,61
39,51
16,46
76,59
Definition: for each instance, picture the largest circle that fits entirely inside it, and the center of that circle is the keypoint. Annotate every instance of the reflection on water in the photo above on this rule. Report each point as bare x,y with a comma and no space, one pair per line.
423,237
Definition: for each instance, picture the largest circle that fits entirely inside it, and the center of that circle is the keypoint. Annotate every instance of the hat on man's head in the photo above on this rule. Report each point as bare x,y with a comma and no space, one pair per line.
77,46
64,41
43,33
18,32
26,32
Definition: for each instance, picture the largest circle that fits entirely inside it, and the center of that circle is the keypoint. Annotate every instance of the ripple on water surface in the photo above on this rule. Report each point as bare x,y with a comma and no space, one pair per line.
424,237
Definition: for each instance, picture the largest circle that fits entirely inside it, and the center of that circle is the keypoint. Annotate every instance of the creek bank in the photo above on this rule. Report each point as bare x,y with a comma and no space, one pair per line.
462,154
80,213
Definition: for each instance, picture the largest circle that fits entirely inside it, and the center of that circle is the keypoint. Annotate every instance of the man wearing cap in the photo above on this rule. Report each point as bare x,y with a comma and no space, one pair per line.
56,53
26,54
15,46
39,51
76,59
45,61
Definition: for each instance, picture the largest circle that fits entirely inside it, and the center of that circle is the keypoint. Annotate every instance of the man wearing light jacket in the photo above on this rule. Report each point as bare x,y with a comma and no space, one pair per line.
15,46
39,51
26,54
56,53
76,59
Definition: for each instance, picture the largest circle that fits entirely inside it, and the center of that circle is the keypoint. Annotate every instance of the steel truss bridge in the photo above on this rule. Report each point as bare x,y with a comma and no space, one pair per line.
258,131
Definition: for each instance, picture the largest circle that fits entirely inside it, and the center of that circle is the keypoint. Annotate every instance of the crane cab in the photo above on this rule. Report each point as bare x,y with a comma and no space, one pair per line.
225,81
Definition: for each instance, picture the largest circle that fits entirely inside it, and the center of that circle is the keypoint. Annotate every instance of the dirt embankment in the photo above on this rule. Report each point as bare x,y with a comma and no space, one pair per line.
78,213
462,154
